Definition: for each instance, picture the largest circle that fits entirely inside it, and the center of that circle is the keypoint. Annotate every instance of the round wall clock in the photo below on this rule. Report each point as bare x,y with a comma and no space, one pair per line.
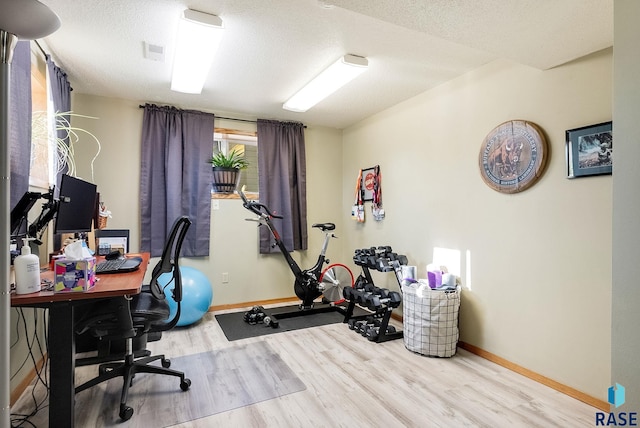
513,156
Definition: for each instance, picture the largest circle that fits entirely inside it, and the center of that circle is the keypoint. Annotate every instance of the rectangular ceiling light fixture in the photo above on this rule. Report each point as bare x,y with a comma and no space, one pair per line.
333,78
199,35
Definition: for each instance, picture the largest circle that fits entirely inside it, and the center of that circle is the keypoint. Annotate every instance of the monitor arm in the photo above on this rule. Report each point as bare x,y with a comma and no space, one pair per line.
21,211
48,212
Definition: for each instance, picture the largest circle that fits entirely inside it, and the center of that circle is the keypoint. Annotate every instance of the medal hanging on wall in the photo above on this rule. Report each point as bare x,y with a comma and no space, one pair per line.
357,210
376,206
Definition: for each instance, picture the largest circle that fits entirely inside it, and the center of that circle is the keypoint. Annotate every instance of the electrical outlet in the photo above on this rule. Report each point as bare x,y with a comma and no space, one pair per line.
225,277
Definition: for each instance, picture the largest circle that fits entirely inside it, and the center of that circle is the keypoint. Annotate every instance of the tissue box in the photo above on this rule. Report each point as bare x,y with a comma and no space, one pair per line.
435,278
74,275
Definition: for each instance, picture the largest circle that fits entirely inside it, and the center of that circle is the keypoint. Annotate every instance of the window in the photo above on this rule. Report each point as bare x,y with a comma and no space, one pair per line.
41,152
226,140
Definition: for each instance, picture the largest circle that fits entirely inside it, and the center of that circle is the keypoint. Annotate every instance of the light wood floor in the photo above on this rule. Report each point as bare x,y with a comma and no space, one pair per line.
352,382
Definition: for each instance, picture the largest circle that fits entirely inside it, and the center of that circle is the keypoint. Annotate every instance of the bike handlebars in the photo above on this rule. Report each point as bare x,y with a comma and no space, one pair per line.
256,207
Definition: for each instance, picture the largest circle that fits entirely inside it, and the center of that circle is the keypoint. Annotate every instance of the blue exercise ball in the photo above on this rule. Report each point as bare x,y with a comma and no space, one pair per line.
197,295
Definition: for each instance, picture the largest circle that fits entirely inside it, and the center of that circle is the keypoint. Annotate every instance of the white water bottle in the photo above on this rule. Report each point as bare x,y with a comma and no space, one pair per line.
27,268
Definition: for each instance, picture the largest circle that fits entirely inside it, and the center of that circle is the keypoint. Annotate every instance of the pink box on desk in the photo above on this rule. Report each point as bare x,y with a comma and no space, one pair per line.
74,275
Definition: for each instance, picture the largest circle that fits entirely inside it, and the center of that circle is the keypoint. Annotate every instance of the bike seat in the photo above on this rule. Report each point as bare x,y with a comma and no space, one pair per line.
324,226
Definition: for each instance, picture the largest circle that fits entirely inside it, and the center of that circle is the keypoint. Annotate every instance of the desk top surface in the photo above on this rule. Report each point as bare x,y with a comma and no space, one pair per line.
108,285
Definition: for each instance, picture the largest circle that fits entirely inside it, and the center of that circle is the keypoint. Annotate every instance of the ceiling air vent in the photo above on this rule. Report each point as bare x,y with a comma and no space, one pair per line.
153,52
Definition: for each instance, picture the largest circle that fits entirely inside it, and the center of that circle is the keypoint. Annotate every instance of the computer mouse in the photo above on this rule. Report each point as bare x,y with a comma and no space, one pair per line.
113,255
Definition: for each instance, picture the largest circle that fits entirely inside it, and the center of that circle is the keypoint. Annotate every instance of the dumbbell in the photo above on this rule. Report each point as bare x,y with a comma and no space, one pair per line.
392,300
255,315
271,322
374,332
375,296
384,249
355,294
347,292
360,257
364,296
400,258
366,251
360,295
352,323
359,325
364,325
366,328
360,285
364,259
383,264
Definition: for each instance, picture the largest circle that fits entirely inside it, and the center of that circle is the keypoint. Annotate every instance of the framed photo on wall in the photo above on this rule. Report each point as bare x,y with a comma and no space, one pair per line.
590,150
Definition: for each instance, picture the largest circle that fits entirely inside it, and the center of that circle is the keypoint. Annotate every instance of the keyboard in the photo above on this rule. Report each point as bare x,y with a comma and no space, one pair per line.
120,265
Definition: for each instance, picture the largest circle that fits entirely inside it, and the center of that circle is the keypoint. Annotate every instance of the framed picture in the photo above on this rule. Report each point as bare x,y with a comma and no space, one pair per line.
590,150
108,240
367,184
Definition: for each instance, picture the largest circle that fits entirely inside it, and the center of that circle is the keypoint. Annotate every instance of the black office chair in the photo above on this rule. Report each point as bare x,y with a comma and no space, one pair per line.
146,313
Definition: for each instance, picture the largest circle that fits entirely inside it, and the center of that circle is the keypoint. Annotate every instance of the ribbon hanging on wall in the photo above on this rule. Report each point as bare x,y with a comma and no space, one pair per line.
357,210
376,206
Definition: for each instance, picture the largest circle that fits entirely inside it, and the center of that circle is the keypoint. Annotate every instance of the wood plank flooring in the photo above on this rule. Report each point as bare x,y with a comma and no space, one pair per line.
352,382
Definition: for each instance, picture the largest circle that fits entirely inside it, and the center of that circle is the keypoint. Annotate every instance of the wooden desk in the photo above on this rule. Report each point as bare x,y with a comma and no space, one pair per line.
61,346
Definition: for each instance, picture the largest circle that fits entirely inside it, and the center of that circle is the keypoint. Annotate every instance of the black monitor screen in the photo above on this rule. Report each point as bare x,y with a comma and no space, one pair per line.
77,205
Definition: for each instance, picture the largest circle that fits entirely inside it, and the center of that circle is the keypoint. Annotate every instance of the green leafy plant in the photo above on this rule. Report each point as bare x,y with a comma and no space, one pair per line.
233,159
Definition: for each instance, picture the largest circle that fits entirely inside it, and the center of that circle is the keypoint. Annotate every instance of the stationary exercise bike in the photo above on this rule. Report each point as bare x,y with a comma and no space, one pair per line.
310,283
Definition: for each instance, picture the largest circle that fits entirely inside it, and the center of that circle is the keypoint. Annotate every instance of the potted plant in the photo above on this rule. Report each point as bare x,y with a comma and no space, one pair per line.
226,170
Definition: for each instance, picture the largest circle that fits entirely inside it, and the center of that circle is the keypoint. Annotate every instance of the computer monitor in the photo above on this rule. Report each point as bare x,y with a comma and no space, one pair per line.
77,205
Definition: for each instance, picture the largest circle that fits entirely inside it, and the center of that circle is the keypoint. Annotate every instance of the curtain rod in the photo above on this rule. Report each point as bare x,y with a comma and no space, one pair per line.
234,118
48,58
41,50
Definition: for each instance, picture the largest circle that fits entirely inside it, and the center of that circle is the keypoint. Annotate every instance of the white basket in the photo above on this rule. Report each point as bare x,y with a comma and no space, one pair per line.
430,319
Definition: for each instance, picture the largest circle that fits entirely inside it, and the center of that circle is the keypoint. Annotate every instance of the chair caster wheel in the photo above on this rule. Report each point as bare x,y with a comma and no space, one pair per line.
125,413
166,363
185,384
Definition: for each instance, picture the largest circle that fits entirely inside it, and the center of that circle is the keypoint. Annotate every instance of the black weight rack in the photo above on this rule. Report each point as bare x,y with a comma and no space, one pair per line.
379,302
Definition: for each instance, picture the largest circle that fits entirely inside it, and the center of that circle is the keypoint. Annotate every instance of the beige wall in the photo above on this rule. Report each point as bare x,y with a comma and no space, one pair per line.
540,264
116,170
234,248
625,344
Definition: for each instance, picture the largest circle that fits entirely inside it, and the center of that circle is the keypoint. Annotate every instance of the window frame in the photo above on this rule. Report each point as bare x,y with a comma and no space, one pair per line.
229,135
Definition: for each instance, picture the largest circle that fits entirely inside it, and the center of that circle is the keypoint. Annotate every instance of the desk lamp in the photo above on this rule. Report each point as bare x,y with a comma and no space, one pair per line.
24,20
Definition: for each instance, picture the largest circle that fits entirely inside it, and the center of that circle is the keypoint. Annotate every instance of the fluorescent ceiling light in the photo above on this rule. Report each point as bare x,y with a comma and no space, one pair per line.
199,36
326,83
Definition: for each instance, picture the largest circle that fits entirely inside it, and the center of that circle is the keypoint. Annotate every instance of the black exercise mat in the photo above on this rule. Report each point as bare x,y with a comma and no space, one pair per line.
235,328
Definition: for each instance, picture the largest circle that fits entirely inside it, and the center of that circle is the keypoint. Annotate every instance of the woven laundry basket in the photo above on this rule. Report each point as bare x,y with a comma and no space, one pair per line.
430,319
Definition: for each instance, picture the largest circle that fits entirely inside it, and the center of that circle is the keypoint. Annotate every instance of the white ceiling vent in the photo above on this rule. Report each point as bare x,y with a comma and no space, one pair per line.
153,52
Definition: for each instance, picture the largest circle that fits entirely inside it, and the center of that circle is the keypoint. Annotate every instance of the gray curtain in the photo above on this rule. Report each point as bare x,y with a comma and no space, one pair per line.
283,182
20,123
175,177
61,95
60,89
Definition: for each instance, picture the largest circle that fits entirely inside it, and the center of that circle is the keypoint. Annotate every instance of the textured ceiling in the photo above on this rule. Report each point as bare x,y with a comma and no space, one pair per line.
273,47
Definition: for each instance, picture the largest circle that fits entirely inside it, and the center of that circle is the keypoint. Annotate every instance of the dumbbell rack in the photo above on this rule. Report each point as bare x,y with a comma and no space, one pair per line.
380,302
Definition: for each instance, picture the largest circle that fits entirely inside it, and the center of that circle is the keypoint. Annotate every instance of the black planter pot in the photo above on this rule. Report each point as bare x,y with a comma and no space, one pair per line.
225,180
